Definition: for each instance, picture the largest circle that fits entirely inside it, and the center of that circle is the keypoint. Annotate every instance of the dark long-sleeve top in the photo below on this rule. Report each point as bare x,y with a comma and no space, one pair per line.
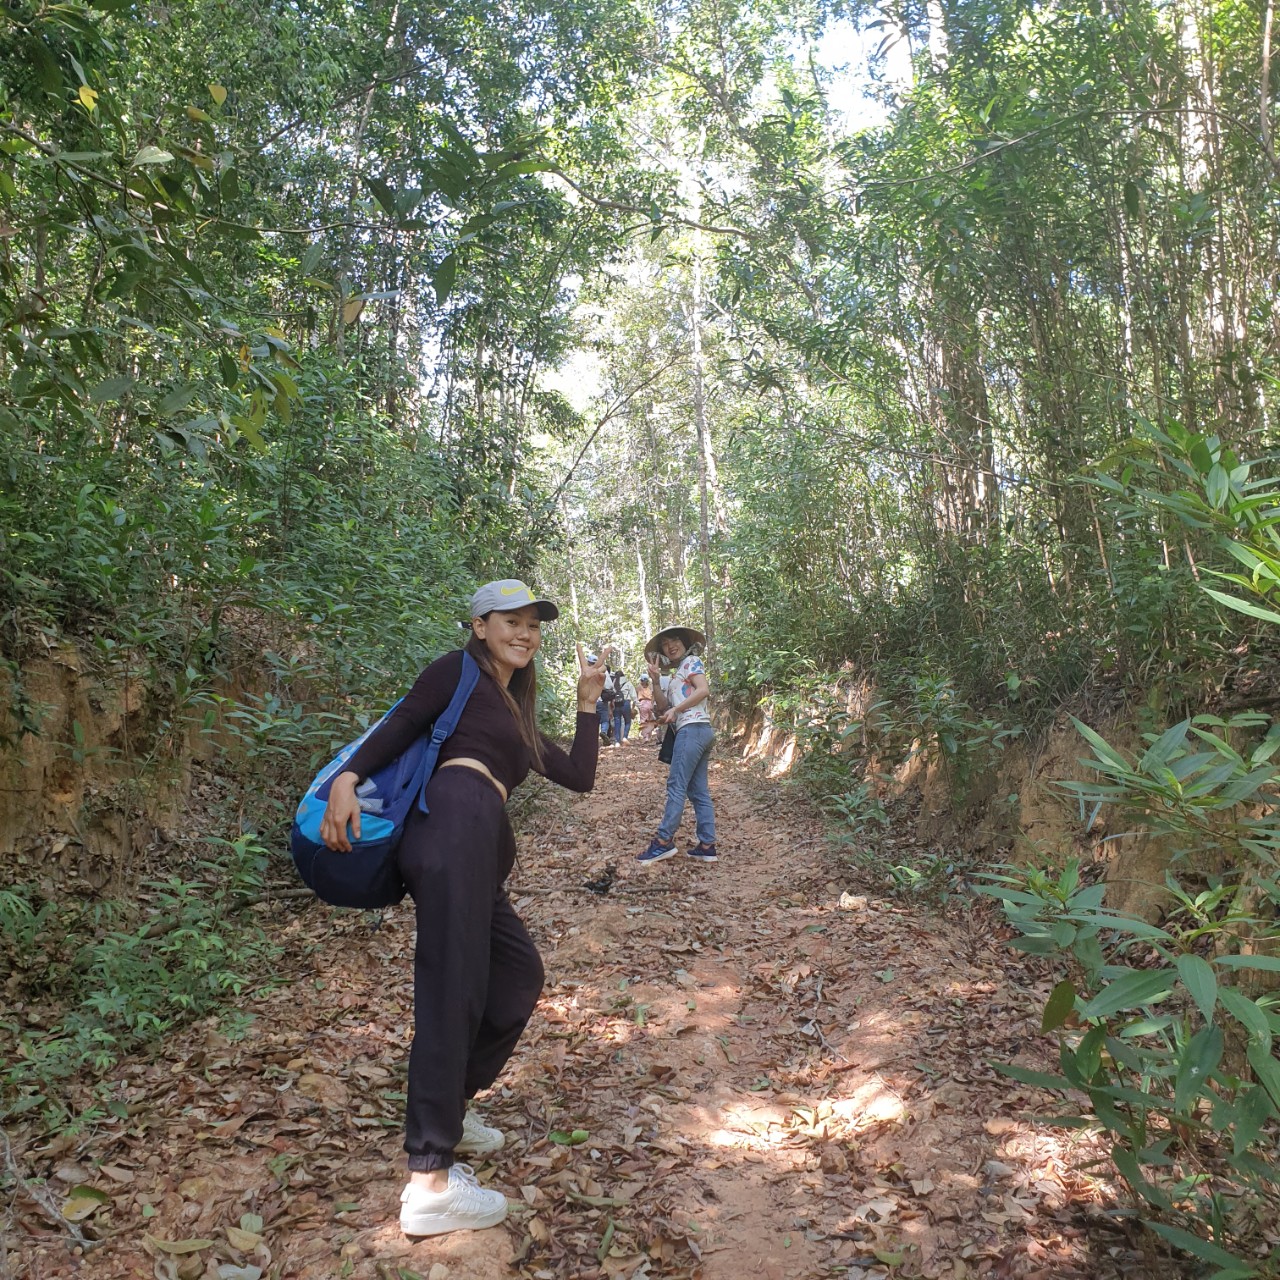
487,732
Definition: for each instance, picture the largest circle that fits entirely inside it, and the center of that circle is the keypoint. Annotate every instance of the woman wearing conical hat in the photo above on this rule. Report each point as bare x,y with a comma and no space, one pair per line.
681,699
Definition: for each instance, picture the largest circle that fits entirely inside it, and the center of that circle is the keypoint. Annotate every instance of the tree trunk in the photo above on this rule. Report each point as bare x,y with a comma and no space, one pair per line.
704,444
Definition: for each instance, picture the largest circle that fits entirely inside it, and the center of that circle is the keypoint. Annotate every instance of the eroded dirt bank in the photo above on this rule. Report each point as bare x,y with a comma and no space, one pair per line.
778,1074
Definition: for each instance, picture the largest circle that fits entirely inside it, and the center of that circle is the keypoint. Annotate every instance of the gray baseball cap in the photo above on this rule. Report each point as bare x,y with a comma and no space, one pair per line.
508,595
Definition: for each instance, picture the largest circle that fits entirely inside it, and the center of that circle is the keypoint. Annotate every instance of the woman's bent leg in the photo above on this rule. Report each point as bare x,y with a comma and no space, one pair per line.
700,790
450,861
515,982
684,758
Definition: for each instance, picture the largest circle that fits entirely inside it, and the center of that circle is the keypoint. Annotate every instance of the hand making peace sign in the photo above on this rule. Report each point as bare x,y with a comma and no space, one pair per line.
590,681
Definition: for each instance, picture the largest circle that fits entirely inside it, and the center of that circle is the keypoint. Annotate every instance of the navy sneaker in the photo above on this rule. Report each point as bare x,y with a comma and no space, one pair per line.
703,852
658,850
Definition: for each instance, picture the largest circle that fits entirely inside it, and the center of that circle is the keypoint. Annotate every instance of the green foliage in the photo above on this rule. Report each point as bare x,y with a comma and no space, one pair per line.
860,811
1159,1035
111,983
1171,1027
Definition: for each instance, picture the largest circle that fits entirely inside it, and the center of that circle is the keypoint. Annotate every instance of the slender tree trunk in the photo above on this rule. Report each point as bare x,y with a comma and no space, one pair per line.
704,447
646,623
348,236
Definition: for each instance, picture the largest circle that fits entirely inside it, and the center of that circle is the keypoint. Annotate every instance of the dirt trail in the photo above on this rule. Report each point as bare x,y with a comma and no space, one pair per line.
776,1076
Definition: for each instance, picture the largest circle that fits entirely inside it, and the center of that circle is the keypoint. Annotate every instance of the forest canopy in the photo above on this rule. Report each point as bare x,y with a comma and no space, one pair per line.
291,299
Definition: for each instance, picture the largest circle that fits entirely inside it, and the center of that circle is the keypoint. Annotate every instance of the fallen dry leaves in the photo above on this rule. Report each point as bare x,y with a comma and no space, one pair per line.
757,1068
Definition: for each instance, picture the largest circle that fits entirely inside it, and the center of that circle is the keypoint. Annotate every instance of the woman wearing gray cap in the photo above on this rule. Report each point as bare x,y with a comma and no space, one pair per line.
476,973
681,701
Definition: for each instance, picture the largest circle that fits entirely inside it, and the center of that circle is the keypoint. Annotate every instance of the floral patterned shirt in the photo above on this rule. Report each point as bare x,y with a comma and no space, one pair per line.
676,688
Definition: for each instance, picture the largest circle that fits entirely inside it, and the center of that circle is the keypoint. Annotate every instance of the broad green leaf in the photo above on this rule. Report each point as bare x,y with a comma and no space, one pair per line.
1217,487
110,389
1242,606
1200,1248
1035,944
178,398
217,93
151,155
1062,1000
1247,1013
1164,746
1135,988
525,166
1197,1061
442,279
1253,1108
382,193
1266,1068
1248,786
1127,1163
1101,746
82,1202
1041,1079
1198,977
1271,963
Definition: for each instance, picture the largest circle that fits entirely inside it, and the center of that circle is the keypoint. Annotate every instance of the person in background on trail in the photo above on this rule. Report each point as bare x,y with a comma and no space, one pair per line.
476,972
624,696
681,699
644,703
610,695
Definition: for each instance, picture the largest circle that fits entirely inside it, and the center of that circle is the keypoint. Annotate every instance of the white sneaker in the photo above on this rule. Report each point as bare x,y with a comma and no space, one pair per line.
478,1138
463,1206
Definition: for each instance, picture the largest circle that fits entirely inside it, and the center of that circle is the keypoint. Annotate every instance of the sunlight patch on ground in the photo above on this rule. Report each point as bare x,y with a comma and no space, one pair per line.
873,1102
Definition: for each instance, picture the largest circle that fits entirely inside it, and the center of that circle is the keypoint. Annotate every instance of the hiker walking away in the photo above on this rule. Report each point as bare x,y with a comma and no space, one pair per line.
644,704
476,973
624,695
681,699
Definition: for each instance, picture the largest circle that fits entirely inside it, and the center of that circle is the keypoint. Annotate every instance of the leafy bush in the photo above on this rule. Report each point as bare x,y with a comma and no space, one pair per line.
120,985
1167,1031
1160,1037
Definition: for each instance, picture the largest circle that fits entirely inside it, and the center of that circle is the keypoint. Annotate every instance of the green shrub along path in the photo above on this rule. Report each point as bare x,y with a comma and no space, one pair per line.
764,1067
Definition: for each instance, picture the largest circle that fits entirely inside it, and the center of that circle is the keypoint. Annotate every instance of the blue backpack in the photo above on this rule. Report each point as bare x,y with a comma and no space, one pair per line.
367,876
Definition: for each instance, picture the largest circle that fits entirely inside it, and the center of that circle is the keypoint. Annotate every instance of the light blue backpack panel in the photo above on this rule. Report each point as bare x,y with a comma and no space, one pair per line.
367,876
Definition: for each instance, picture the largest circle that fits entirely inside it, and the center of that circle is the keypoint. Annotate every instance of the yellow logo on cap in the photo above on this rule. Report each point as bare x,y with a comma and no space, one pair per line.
515,591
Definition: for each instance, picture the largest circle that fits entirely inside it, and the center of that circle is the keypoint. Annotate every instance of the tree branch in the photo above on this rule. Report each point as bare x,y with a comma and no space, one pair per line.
668,220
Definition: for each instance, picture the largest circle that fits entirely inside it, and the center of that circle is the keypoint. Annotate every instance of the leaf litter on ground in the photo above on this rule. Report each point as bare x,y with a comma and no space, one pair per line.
756,1067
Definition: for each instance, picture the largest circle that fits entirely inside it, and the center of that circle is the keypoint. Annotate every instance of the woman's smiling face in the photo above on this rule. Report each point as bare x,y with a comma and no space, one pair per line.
674,648
512,638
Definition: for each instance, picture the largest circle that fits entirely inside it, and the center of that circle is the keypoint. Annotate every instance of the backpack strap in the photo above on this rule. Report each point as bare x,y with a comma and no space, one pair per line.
446,723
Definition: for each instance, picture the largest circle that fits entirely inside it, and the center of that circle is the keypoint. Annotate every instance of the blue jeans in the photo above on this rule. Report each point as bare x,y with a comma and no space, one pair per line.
605,713
688,780
621,719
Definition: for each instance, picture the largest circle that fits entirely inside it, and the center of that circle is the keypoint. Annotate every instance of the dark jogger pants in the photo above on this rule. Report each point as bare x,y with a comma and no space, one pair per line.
476,972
